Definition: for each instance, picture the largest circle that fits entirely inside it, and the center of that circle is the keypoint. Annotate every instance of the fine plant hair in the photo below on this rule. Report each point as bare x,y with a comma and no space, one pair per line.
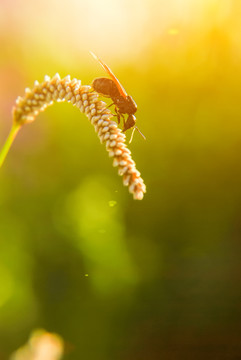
56,89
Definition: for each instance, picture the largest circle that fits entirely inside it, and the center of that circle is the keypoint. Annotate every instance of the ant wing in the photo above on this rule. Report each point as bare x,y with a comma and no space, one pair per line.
114,78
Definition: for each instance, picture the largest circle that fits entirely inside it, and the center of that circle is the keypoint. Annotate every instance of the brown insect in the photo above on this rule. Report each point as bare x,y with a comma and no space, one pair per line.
124,104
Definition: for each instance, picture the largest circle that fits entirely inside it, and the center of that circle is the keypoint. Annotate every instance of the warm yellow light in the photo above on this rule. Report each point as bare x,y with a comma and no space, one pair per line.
173,31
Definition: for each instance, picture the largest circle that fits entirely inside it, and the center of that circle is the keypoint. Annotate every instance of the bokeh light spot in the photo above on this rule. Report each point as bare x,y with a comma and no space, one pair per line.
101,235
112,203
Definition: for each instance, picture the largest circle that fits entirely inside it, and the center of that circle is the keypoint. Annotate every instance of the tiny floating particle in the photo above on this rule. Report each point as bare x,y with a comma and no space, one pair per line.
112,203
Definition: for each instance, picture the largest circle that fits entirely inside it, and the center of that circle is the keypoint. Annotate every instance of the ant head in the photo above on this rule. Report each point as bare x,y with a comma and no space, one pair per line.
130,122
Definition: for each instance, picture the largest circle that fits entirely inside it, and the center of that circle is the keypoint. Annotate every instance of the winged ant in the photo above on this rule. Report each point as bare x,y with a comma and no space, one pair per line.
124,104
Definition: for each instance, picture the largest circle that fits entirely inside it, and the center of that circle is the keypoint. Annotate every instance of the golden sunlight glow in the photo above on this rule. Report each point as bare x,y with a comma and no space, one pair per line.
110,26
173,31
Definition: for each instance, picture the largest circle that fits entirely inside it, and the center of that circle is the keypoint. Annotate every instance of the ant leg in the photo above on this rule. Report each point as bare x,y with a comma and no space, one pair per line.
124,122
117,114
110,105
118,117
106,108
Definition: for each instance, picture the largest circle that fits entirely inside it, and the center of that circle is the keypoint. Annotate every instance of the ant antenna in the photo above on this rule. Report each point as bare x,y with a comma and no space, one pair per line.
132,134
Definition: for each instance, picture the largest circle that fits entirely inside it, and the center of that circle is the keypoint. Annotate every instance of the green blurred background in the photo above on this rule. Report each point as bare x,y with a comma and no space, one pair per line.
116,278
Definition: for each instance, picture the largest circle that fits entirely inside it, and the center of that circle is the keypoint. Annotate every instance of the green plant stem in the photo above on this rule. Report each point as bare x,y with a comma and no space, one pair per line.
13,132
